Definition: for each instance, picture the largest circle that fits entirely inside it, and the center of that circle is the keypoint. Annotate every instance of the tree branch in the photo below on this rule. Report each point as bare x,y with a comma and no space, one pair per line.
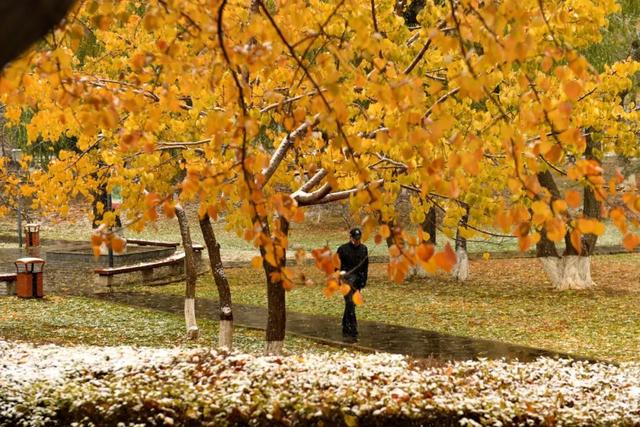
418,57
285,144
24,22
341,195
288,101
304,198
440,101
373,16
314,180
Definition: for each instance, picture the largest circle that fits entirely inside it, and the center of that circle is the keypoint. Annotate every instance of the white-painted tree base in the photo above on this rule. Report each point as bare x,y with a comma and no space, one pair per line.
273,348
460,270
190,318
417,271
225,334
568,272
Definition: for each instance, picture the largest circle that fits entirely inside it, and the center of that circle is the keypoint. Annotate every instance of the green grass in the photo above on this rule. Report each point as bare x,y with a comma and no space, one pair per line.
617,37
506,300
78,320
316,231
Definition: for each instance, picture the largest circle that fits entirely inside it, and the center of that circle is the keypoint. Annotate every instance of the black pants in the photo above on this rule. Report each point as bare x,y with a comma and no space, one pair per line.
349,322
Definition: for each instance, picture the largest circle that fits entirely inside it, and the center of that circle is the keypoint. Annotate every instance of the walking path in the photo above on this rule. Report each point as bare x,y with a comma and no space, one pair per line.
374,336
72,279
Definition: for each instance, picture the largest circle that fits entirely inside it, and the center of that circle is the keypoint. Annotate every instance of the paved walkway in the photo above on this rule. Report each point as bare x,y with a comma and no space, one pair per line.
76,279
374,336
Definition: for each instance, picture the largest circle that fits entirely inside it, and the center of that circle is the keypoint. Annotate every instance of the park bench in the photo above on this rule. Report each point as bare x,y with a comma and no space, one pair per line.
197,249
141,242
9,281
105,276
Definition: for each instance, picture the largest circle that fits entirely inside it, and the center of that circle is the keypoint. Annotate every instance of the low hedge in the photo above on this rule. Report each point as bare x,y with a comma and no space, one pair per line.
99,386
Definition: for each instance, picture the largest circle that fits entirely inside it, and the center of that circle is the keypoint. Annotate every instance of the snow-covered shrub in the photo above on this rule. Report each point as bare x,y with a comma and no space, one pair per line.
53,385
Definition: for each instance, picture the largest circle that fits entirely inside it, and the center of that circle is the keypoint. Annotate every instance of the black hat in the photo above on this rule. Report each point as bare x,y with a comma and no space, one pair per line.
355,233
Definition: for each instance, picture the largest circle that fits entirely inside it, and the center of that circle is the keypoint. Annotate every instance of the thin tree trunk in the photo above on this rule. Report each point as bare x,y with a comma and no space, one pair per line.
99,196
225,333
276,301
190,273
460,270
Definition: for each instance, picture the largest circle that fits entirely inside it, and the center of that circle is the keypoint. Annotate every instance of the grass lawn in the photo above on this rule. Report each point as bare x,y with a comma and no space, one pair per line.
77,320
507,300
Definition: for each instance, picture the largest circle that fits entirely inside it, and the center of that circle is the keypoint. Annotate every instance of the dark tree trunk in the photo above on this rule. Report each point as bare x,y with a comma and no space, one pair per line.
393,236
190,273
573,270
225,338
545,247
591,206
24,22
100,195
276,301
430,225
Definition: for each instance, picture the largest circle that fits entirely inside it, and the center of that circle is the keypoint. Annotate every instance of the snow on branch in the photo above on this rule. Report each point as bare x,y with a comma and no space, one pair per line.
285,145
339,195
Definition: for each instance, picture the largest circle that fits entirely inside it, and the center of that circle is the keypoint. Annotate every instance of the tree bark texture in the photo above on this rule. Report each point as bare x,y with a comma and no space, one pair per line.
276,301
190,273
225,334
460,270
573,269
430,224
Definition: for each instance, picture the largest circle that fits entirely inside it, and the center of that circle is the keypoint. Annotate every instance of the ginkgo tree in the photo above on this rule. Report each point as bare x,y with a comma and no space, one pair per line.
265,114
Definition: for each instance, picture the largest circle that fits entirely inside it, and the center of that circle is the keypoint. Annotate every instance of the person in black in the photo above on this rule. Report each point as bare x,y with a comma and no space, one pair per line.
354,266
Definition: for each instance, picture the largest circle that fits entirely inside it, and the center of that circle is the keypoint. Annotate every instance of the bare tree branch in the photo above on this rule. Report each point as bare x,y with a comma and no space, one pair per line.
314,180
341,195
440,101
285,144
304,198
418,57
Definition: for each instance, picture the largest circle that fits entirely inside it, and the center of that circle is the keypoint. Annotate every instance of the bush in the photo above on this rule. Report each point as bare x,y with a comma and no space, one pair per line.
107,386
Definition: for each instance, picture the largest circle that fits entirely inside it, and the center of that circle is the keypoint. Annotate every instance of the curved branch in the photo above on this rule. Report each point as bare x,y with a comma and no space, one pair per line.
341,195
314,180
304,198
285,144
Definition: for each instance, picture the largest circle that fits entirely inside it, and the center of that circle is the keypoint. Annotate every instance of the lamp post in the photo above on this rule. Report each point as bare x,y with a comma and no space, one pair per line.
16,156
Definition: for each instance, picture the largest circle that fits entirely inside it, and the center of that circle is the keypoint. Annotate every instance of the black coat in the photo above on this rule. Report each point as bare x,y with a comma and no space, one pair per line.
355,261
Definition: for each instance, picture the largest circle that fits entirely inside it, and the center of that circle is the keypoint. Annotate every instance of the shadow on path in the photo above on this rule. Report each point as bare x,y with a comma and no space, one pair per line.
374,336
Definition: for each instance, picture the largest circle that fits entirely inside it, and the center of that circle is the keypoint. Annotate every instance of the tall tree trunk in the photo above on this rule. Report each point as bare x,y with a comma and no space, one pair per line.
460,270
590,209
225,334
430,225
573,269
190,273
276,301
546,250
